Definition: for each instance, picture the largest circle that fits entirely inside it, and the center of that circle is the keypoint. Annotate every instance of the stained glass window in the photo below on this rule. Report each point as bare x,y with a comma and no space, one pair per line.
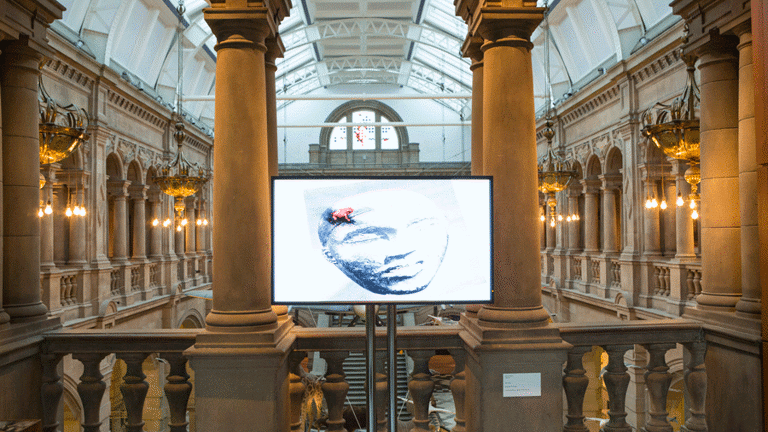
364,137
339,137
389,139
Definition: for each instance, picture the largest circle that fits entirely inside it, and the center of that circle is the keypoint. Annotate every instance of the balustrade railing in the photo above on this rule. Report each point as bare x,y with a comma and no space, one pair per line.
154,275
116,281
661,280
68,289
576,268
615,274
657,337
693,282
137,279
594,266
90,347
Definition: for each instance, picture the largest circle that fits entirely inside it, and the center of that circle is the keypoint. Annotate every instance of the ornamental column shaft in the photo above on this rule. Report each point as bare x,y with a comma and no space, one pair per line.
591,220
242,259
509,140
720,221
191,215
119,192
750,244
4,318
77,231
573,225
19,76
46,224
610,226
200,229
156,232
551,230
472,50
139,196
652,219
275,50
683,223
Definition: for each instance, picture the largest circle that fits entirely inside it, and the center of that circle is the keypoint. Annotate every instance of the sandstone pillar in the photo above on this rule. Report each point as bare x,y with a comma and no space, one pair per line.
179,234
46,223
683,223
19,75
551,229
191,228
4,318
242,259
118,189
77,228
611,193
139,197
750,245
573,225
156,232
591,219
275,49
200,228
720,221
471,49
652,219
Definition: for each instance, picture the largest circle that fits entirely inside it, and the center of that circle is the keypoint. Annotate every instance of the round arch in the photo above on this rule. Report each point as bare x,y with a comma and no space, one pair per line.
192,319
348,107
613,161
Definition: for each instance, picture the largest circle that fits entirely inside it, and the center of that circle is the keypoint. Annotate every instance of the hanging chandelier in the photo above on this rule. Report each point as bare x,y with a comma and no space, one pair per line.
62,128
674,129
180,178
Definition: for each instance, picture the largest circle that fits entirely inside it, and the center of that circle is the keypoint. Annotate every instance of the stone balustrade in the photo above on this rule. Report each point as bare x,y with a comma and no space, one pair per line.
90,347
657,337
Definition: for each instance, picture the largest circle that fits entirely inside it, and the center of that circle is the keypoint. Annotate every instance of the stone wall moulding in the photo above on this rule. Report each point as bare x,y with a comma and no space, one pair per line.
707,17
29,20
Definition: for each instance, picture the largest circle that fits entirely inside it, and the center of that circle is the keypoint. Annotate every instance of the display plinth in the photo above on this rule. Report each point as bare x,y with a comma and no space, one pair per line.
493,353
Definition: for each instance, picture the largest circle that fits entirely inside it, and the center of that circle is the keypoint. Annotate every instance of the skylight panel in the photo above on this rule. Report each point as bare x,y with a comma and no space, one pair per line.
448,23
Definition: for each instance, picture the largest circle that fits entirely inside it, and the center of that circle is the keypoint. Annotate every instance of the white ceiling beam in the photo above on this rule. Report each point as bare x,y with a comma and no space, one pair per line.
394,124
352,97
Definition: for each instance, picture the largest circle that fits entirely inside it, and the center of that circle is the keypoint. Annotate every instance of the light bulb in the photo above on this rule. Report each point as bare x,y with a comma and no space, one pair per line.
694,215
68,212
648,203
178,228
205,222
577,217
552,224
663,204
654,203
199,222
166,222
40,213
48,209
542,218
559,217
568,219
155,222
76,211
693,204
680,201
184,222
82,211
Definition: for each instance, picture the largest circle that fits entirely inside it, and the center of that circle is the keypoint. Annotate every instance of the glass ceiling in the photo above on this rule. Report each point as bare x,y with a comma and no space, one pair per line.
412,44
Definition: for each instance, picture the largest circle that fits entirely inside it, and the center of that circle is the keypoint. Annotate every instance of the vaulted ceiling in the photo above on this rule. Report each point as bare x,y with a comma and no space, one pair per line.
401,43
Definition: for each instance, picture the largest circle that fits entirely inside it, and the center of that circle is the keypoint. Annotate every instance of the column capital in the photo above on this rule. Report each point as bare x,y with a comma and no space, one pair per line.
275,50
118,188
720,46
591,186
154,195
191,202
471,48
610,182
507,25
237,25
138,192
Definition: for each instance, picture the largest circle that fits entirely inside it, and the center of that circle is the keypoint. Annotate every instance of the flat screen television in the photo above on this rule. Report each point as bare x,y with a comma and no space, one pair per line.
418,240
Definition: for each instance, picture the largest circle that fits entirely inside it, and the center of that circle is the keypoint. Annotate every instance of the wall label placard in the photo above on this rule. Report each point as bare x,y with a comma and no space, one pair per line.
521,384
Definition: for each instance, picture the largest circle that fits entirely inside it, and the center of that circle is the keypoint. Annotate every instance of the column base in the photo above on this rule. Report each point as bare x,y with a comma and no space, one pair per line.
494,353
749,306
26,312
723,302
497,317
241,321
241,381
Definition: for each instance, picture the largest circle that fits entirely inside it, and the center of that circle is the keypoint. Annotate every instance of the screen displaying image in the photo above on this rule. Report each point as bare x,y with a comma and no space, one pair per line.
391,240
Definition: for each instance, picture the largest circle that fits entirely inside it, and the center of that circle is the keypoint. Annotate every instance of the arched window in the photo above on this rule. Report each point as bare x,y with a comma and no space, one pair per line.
362,137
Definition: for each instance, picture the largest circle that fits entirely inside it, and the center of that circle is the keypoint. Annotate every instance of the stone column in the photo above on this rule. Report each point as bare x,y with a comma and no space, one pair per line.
683,222
275,49
156,232
509,111
200,229
652,218
191,215
720,221
750,244
242,241
4,318
591,220
19,76
77,226
118,189
178,235
471,49
46,222
611,192
139,197
573,225
551,230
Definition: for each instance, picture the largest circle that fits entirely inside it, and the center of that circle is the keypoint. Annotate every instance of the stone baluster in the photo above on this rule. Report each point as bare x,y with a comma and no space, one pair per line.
696,384
177,391
616,381
458,389
335,388
296,388
51,391
575,383
134,390
91,390
657,380
421,387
